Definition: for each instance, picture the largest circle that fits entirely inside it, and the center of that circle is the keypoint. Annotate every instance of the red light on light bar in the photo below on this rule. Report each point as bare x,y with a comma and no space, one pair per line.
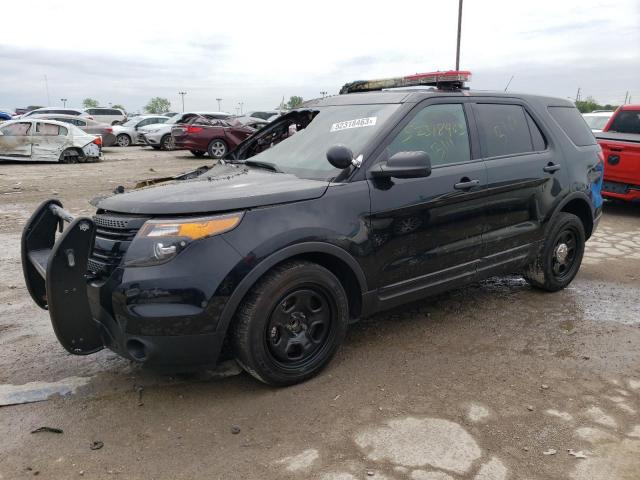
447,76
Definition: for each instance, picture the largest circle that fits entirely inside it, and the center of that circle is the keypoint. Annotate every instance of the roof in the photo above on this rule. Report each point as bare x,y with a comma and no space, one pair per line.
414,95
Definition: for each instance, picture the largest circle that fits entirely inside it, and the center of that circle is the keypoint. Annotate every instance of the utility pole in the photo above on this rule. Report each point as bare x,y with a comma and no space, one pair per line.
626,95
578,95
64,102
459,34
241,104
182,94
323,93
219,100
46,86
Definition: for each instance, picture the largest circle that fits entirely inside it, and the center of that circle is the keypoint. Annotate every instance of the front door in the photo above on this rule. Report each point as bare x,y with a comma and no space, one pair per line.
427,232
15,141
524,179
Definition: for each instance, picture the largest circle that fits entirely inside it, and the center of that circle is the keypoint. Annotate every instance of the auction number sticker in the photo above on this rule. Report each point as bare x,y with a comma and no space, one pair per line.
356,123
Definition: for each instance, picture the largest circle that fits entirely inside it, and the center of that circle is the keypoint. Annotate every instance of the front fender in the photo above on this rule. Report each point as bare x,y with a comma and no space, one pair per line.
266,264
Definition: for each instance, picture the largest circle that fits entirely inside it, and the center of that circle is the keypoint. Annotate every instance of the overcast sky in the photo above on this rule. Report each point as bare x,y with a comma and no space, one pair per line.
257,52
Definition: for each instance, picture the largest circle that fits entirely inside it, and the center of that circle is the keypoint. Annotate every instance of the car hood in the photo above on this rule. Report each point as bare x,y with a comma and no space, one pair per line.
223,188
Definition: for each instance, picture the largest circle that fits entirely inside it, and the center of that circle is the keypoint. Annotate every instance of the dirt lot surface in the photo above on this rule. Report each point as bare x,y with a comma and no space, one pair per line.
494,381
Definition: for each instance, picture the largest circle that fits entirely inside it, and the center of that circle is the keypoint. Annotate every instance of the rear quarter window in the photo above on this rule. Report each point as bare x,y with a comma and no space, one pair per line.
572,123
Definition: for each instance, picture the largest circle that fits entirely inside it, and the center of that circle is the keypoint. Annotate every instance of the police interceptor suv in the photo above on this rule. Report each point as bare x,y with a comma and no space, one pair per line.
350,205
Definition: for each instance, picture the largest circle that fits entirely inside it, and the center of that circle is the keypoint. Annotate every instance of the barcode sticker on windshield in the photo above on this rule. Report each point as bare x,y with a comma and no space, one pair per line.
357,123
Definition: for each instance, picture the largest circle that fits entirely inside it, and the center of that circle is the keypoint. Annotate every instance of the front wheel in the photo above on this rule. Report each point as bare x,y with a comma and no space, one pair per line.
167,142
559,260
123,140
290,324
217,148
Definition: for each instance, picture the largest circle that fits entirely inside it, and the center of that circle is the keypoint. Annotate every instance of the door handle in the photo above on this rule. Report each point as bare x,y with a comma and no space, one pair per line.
552,167
465,184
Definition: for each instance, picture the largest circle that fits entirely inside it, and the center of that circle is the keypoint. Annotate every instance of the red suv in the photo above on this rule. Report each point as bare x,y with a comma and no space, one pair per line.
206,134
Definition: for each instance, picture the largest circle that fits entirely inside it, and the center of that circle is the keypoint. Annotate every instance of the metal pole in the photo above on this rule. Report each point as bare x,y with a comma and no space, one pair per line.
64,102
46,84
182,94
323,93
459,34
219,100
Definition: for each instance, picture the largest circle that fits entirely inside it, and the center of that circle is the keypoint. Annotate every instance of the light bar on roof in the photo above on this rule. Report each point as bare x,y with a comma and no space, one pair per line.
448,80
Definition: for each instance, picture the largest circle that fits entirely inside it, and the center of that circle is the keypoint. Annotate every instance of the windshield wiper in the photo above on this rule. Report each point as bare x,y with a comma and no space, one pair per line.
257,163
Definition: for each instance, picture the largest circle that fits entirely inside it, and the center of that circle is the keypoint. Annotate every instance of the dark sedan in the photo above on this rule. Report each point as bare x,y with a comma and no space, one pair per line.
205,134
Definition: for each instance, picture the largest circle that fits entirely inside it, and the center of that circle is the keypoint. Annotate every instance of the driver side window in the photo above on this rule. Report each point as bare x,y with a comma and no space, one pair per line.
440,131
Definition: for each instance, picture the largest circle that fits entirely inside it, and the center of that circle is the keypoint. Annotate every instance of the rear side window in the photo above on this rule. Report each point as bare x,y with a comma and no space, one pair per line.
626,121
49,129
571,121
504,129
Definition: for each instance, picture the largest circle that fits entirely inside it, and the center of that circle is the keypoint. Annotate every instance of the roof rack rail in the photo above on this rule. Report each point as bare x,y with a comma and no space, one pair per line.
448,80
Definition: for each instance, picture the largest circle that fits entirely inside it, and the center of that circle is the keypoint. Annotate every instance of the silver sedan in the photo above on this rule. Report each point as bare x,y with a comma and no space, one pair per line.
127,134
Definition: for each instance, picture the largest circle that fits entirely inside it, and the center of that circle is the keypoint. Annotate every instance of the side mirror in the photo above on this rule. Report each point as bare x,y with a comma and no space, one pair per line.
340,156
404,165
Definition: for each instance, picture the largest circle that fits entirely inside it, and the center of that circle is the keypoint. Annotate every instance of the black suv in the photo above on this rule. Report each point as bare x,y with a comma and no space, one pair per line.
353,204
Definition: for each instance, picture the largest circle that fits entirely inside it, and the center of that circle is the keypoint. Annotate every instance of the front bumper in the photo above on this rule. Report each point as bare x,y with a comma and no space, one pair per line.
165,316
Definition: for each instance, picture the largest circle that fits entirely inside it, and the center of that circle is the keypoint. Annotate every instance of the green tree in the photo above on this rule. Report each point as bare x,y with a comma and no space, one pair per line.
294,102
120,107
90,103
590,104
158,105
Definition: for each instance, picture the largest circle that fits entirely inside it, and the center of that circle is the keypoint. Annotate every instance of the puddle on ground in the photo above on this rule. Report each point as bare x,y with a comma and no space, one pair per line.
39,391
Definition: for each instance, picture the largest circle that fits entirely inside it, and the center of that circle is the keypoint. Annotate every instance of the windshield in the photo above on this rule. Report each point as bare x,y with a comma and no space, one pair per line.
596,122
303,153
131,122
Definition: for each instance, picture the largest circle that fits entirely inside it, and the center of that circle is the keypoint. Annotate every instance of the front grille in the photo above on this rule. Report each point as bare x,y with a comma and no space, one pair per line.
114,233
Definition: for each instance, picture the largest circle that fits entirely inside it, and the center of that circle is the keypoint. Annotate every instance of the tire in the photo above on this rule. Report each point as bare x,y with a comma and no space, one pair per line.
69,156
217,148
197,153
559,259
290,324
167,142
123,140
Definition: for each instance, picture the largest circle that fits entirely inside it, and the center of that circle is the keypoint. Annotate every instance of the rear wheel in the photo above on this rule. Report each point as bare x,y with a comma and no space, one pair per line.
69,156
290,324
123,140
167,143
559,260
217,148
197,153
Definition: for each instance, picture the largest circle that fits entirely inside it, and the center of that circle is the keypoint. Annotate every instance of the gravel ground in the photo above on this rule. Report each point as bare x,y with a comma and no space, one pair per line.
493,381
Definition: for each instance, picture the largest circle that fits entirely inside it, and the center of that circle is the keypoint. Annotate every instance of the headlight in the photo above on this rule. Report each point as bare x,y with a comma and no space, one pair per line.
158,241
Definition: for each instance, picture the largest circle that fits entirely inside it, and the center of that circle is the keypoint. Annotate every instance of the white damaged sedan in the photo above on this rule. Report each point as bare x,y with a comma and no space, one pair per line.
47,140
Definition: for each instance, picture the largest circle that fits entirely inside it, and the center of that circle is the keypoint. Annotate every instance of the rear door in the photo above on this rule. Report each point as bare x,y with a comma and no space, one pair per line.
49,140
15,141
427,232
524,177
